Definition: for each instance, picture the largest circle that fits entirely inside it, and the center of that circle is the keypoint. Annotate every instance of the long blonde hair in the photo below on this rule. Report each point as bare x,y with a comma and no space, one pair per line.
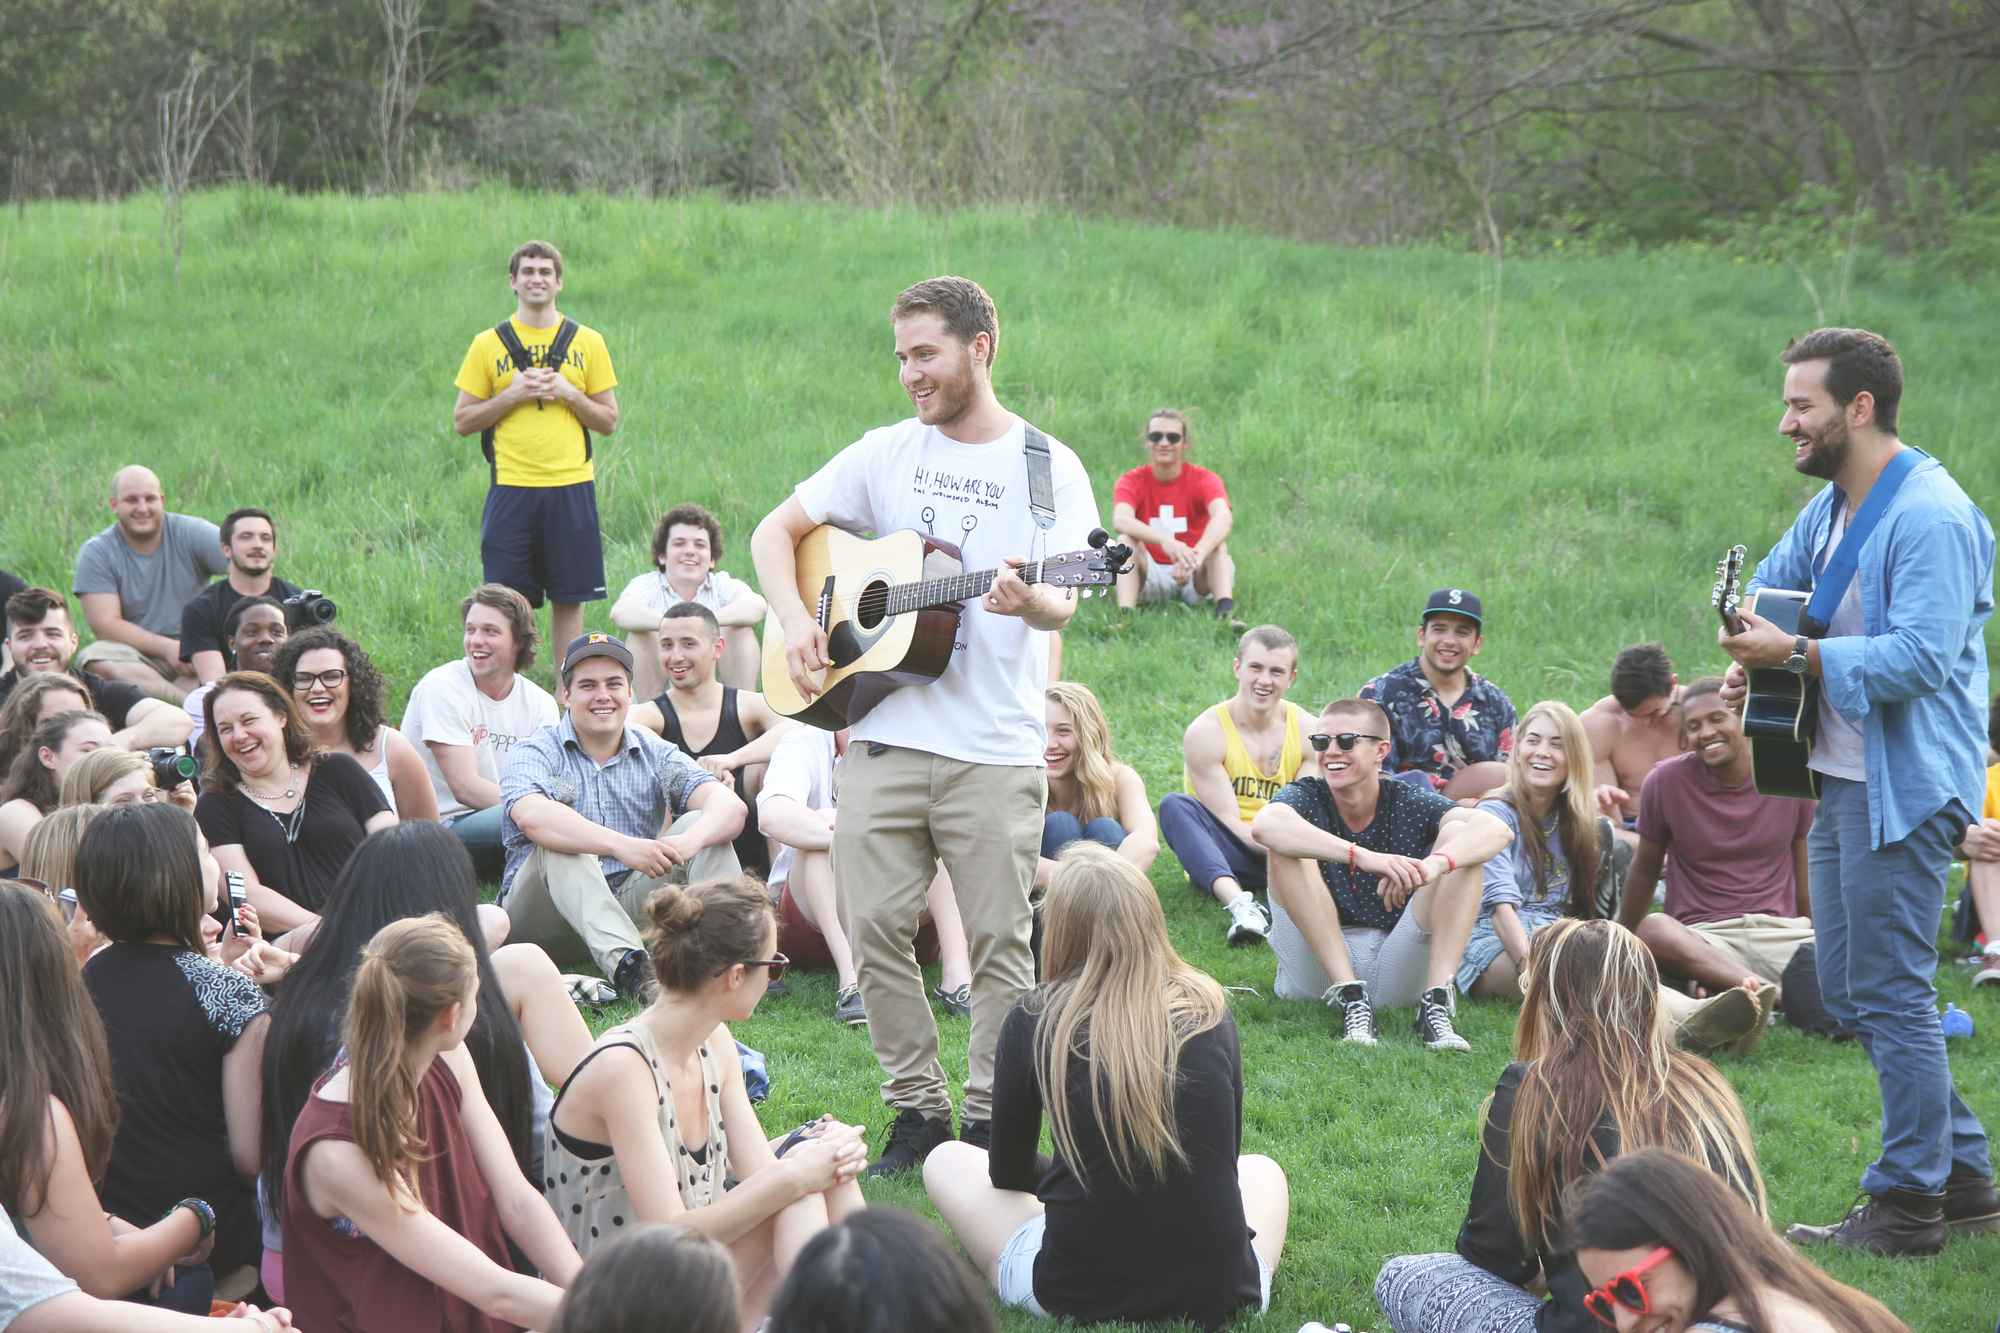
1576,811
410,972
49,854
1095,766
1591,1035
1120,999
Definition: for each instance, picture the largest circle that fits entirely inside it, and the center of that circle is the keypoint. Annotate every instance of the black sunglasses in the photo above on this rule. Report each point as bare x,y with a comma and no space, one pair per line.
777,963
1345,740
1170,436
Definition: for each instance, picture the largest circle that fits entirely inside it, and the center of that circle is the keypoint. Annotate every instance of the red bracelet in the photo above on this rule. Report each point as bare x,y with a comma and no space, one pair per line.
1350,854
1447,859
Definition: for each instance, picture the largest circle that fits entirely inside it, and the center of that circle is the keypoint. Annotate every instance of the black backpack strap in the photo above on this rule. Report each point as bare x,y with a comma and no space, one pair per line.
553,358
517,354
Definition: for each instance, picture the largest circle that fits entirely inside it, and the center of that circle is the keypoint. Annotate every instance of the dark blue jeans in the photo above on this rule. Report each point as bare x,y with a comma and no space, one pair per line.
1875,917
480,832
1060,828
1207,848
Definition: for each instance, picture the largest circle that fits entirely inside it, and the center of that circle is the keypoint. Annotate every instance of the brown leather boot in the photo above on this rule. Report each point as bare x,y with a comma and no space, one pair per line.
1971,1204
1893,1222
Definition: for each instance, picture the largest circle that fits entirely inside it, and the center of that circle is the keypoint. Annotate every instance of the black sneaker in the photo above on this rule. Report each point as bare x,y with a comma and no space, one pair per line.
1357,1016
909,1140
848,1009
1433,1023
776,990
956,1003
978,1133
634,977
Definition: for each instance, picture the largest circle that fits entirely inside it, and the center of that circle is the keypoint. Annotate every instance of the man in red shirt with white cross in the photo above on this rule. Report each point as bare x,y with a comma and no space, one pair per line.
1181,512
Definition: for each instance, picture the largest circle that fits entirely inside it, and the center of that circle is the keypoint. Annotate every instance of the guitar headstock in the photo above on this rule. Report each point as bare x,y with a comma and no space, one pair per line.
1097,568
1727,598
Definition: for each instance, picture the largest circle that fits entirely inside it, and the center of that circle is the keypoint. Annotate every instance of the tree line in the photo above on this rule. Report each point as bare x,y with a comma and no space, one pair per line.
1487,122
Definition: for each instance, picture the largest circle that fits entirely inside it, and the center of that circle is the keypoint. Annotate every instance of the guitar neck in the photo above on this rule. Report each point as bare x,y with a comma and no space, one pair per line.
958,588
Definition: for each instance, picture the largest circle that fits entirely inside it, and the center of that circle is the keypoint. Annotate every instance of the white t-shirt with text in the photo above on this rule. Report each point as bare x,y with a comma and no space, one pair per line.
987,706
801,768
447,707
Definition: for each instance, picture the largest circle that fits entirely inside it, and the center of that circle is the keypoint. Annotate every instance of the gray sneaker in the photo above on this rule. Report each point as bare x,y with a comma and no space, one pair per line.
847,1007
957,1003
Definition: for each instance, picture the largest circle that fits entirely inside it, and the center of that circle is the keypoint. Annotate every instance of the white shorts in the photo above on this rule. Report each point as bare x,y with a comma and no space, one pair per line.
1160,585
1016,1283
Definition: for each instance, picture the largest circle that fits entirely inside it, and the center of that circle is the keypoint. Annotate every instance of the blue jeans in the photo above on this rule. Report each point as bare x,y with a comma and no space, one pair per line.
1208,849
1888,903
1060,828
480,832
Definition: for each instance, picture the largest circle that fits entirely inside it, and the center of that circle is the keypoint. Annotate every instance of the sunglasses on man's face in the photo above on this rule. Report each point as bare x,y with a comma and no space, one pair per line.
1170,436
1345,740
1626,1289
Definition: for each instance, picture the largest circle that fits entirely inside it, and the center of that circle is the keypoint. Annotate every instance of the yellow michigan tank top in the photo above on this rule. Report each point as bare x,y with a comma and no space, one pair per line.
1253,789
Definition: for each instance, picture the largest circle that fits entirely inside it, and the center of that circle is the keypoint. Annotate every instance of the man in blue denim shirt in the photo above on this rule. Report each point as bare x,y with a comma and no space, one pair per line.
598,814
1900,751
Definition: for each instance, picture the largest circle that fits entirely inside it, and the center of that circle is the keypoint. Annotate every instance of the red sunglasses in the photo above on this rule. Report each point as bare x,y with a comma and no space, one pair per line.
1626,1289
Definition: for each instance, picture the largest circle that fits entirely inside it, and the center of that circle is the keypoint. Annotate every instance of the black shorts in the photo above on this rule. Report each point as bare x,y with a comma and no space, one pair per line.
543,540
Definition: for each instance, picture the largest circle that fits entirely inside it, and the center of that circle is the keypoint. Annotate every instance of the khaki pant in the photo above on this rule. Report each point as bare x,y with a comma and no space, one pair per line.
902,811
1760,945
561,901
110,650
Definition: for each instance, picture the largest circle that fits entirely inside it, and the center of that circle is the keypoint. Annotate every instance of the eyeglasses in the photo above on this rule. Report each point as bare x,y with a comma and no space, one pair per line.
1345,740
1170,436
303,680
777,963
1626,1289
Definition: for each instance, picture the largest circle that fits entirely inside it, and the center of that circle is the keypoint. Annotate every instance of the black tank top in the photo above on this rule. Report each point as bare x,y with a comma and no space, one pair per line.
728,729
751,850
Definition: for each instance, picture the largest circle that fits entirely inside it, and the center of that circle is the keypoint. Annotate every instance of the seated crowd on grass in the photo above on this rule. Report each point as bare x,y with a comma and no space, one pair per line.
263,1038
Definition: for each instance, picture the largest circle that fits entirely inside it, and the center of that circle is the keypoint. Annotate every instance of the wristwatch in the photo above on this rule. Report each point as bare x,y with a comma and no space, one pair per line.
1796,663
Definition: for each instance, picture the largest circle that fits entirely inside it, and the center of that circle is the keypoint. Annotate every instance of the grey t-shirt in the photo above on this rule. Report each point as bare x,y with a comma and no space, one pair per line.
1838,750
26,1279
154,589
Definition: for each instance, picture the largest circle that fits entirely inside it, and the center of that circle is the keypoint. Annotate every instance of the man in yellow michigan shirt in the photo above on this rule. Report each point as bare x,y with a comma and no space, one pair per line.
536,388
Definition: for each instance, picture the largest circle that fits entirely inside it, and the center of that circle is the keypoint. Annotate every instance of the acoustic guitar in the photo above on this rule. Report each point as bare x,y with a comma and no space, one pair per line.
1781,710
890,608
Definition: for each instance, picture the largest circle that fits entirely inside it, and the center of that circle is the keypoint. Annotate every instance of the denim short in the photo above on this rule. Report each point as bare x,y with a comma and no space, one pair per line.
1485,946
1015,1284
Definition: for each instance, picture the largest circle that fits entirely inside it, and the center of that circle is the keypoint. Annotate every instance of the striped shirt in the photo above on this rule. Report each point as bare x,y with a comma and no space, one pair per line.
643,789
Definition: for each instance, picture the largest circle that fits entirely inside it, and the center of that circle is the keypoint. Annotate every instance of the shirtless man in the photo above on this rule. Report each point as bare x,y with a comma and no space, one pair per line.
1633,728
1236,757
729,732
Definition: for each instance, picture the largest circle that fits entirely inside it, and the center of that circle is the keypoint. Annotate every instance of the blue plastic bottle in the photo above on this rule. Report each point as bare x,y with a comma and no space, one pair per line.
1957,1023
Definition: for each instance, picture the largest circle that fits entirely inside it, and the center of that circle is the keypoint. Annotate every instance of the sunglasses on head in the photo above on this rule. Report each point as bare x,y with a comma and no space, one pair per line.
1626,1289
1170,436
1345,740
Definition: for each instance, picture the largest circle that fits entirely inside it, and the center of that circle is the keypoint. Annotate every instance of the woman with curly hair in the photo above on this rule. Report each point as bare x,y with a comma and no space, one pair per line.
339,693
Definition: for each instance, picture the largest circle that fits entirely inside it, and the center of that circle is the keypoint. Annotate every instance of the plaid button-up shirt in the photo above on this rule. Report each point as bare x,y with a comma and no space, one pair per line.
643,789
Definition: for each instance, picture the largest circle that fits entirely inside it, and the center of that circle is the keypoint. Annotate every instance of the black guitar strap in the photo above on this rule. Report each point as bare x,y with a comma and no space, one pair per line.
1041,484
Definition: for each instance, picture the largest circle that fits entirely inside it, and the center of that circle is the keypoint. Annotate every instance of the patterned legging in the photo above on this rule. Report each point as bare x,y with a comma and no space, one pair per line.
1442,1293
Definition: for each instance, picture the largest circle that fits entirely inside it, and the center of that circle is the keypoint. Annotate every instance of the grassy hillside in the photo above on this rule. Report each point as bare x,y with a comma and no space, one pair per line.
1576,440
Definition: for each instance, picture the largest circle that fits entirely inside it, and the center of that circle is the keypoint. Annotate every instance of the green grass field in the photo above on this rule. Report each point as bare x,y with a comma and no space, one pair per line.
1578,440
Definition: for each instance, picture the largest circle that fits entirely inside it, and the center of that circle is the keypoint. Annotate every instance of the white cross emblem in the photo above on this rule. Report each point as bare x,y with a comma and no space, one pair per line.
1167,523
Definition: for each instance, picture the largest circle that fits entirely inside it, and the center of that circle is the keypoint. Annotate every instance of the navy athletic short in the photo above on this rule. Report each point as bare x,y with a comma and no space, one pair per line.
543,540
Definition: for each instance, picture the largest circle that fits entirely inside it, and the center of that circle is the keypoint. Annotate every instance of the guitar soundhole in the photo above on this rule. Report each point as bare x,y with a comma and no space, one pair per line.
873,606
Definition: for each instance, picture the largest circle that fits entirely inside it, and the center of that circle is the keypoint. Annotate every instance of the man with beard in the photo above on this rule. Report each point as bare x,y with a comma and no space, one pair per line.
1902,681
951,770
1737,904
40,637
250,544
1453,727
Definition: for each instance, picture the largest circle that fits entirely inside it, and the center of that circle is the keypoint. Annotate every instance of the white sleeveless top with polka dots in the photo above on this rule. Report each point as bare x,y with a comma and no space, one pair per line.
588,1193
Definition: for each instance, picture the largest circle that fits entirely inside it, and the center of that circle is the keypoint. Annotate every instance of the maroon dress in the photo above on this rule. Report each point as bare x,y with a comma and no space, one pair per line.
338,1279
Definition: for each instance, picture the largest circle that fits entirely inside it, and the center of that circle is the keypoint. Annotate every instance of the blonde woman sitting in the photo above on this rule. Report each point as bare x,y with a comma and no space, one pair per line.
1148,1214
1091,794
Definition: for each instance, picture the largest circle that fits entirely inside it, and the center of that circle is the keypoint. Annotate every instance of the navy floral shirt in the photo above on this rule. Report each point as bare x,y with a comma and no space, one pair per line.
1437,740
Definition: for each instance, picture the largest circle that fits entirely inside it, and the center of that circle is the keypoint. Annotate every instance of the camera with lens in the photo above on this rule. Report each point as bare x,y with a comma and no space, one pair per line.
171,767
306,609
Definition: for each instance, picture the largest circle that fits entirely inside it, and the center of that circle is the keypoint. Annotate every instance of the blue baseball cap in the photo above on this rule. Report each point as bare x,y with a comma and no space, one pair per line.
594,645
1457,601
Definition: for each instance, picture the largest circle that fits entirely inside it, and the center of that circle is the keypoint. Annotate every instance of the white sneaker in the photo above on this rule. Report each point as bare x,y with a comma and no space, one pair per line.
1989,970
1248,921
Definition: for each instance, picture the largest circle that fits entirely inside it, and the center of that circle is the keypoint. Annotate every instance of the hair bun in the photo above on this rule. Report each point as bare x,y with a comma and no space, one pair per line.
674,910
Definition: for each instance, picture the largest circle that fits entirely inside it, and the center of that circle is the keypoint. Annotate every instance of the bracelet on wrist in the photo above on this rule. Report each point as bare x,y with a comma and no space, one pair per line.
203,1213
1350,853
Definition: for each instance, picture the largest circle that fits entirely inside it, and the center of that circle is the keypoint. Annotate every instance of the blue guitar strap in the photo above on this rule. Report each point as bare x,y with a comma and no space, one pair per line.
1831,585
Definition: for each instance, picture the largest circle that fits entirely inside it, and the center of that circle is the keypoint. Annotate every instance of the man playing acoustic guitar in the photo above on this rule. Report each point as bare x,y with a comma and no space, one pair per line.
1901,669
951,770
